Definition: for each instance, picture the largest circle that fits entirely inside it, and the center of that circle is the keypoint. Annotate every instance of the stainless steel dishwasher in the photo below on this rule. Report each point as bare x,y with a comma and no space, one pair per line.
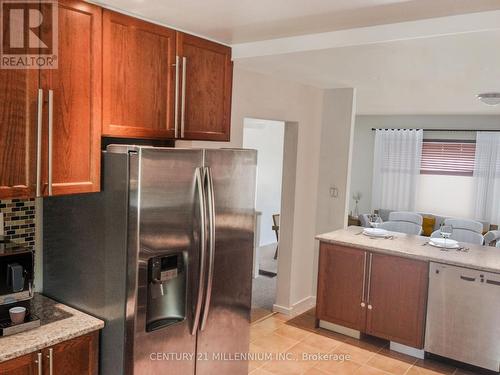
463,315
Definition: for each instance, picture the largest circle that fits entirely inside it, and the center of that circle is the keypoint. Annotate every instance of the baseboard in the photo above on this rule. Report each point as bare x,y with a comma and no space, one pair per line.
408,350
297,308
340,329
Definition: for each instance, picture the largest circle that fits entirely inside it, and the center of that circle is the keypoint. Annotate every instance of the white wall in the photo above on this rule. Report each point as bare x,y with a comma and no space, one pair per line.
335,159
339,108
266,137
362,163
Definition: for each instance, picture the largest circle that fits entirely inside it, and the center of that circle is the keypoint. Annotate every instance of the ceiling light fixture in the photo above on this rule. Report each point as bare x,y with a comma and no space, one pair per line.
489,98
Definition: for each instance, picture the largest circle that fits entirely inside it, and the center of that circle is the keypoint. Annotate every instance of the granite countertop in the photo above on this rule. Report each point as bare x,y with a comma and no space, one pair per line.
58,323
484,258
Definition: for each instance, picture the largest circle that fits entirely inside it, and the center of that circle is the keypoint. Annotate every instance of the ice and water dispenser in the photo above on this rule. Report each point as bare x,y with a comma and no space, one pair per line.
167,277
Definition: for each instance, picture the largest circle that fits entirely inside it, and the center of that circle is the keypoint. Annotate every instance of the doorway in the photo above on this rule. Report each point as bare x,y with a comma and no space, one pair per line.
267,137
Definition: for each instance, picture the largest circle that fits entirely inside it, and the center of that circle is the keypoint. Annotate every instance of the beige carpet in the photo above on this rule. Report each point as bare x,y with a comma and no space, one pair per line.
264,287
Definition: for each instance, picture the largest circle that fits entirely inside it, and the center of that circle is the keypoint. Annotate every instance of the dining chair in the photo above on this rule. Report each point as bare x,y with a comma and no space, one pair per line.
364,220
276,228
403,222
464,230
492,238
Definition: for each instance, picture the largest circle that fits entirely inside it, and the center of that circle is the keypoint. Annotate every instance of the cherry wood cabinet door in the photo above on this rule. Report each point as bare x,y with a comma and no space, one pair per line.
341,280
76,87
139,78
18,124
398,299
208,71
24,365
78,356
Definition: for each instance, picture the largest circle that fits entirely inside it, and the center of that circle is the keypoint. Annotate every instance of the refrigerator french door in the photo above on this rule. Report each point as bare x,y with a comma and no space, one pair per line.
232,173
166,216
170,269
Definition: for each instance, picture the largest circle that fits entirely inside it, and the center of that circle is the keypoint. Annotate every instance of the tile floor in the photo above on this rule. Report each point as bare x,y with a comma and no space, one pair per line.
297,336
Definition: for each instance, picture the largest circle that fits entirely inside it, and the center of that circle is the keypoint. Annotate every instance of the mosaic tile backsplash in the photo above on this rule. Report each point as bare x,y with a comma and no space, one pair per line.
19,218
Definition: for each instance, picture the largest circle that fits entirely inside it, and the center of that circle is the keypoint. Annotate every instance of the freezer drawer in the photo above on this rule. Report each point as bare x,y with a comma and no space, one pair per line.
463,315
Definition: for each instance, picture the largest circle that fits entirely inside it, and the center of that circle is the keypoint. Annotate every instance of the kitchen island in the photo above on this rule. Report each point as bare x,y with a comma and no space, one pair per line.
419,297
482,258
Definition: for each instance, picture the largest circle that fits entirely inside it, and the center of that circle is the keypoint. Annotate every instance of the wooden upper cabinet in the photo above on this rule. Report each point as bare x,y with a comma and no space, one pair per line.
340,286
18,118
139,78
160,83
72,152
207,70
398,299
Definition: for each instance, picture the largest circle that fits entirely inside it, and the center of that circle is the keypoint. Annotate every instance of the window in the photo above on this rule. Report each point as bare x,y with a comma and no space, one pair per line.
454,158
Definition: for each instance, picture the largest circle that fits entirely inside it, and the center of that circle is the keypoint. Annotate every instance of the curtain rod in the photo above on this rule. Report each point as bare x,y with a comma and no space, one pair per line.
444,130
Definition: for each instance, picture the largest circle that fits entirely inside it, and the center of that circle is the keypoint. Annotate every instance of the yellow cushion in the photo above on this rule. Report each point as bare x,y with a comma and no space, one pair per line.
428,225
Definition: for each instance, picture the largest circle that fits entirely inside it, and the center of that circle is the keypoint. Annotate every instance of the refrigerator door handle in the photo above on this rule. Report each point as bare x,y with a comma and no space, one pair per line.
200,186
211,243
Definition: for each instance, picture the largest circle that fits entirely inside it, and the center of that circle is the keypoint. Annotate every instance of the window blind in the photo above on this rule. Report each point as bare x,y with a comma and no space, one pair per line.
448,158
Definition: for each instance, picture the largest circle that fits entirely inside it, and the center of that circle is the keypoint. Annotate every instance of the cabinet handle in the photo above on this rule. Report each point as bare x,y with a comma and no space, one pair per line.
176,110
364,281
466,278
370,307
493,282
369,281
39,143
183,95
50,356
38,361
51,143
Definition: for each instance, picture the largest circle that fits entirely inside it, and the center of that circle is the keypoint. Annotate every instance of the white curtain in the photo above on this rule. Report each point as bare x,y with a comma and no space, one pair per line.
487,177
396,169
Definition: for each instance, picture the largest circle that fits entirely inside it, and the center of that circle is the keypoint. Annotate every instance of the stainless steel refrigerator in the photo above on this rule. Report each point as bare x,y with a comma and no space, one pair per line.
164,255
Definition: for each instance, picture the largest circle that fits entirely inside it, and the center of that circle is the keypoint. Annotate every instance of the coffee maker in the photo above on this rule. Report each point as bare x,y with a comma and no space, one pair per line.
16,278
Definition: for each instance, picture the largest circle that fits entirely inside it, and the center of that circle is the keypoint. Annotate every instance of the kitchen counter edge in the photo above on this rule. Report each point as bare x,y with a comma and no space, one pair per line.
75,325
483,258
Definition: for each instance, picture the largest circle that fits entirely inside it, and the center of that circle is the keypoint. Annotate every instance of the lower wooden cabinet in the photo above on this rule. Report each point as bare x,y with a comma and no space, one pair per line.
78,356
25,365
381,295
398,299
340,286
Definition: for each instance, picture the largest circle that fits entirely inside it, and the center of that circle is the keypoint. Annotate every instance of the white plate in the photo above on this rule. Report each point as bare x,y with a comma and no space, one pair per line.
375,232
444,243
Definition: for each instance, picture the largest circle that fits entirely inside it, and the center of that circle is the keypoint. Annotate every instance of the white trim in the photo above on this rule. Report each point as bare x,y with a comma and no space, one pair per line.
135,15
408,350
297,308
340,329
439,26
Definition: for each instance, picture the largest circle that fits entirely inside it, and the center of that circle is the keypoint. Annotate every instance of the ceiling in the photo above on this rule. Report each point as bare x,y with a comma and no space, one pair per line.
237,21
438,75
